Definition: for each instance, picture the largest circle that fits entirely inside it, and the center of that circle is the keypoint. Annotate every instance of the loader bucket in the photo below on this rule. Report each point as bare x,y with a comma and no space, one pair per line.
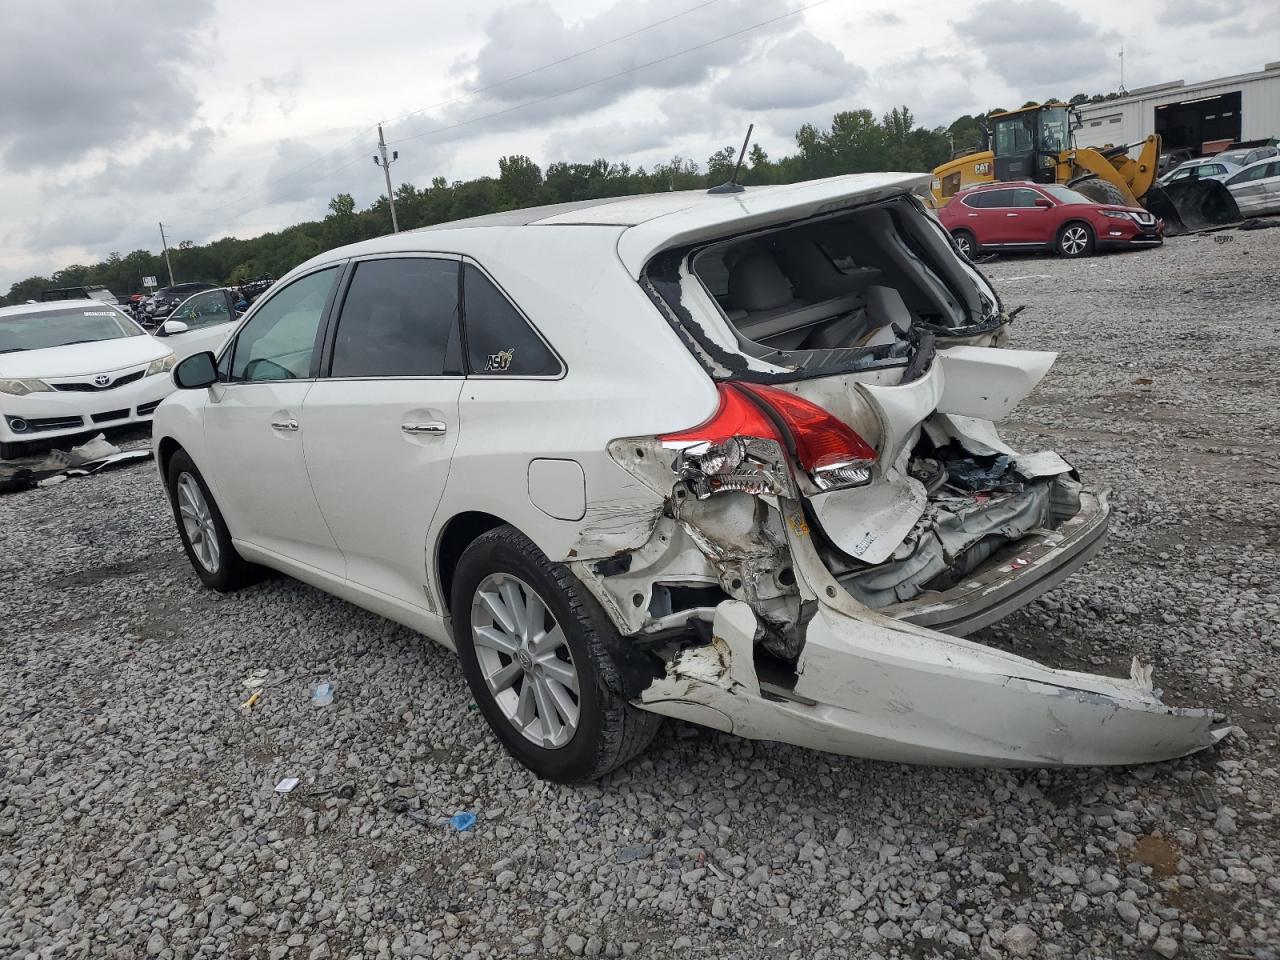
1190,206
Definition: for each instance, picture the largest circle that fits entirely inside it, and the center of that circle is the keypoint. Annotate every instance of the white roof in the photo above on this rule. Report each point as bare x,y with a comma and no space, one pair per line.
652,222
46,306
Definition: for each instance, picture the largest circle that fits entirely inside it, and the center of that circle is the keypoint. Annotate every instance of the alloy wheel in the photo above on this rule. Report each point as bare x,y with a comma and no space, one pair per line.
1074,240
525,660
963,245
197,522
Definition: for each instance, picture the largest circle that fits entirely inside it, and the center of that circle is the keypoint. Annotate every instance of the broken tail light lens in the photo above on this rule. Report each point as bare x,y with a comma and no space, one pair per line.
828,449
738,450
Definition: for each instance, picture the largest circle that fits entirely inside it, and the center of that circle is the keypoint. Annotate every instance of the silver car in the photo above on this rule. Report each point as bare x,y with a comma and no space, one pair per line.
1256,188
1206,168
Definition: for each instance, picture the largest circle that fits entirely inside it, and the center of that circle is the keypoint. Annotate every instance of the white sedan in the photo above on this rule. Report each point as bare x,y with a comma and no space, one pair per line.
201,322
70,367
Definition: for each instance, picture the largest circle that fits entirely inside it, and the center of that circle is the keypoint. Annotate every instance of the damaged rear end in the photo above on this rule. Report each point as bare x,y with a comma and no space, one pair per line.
849,512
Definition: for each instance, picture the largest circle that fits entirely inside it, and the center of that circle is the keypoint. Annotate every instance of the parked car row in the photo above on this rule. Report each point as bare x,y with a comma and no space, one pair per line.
73,366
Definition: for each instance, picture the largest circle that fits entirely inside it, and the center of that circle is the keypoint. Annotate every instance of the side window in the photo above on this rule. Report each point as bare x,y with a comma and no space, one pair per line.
278,341
978,201
998,198
1025,198
1253,173
399,319
499,339
204,310
1180,175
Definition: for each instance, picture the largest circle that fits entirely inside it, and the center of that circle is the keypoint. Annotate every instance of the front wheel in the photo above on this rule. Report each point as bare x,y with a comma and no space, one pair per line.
204,533
533,645
1075,240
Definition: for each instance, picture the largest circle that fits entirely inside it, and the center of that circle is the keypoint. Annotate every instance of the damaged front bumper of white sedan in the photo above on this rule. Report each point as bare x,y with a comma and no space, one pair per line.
873,686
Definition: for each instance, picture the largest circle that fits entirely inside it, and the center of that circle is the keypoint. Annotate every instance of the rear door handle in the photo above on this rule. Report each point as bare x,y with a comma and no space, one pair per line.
1010,214
290,425
435,428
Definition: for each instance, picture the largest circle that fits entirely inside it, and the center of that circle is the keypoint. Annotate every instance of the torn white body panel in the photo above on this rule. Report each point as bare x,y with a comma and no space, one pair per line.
874,687
987,382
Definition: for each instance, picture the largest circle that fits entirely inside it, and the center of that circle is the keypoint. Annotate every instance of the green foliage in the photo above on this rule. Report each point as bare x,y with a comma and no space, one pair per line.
856,142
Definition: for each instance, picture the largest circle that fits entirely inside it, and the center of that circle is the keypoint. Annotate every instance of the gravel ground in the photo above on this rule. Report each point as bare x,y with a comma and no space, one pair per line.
137,812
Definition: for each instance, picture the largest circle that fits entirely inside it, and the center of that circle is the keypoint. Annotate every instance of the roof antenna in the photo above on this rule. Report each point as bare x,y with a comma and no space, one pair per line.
732,185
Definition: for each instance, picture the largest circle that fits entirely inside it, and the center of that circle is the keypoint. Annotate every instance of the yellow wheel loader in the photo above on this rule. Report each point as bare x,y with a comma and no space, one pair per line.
1036,143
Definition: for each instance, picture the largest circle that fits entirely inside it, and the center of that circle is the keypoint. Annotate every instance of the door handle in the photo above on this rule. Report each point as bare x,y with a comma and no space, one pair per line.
290,425
435,428
1010,214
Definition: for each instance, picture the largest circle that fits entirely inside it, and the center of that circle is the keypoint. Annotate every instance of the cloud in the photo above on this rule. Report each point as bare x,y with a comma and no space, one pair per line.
1039,40
797,71
80,77
165,168
1190,13
519,39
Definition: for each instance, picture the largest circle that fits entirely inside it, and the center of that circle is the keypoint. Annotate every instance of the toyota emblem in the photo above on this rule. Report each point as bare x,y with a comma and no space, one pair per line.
102,379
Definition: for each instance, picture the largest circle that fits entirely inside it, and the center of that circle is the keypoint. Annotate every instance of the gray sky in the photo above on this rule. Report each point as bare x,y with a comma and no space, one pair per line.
236,117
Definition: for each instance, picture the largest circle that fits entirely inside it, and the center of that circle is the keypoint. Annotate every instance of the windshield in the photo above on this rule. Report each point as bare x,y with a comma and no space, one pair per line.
58,328
1015,134
1054,130
1063,194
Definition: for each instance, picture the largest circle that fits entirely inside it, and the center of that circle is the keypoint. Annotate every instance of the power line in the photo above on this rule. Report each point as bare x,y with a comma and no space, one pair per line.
612,76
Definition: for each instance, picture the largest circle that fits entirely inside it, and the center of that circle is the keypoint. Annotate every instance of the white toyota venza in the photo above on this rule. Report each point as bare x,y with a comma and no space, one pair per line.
725,457
71,367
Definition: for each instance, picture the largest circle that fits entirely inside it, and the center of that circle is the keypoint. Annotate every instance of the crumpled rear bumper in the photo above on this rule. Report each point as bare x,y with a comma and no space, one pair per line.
872,686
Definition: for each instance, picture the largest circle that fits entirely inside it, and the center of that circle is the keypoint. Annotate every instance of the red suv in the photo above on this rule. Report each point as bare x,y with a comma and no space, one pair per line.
1038,216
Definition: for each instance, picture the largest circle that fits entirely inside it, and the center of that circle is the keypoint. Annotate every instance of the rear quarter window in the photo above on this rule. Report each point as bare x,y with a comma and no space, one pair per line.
500,341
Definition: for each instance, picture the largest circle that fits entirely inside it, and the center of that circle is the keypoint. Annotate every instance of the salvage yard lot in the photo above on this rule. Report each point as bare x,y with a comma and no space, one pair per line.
137,812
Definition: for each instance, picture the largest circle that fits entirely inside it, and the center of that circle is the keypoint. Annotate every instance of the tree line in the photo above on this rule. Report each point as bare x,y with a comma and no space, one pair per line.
855,142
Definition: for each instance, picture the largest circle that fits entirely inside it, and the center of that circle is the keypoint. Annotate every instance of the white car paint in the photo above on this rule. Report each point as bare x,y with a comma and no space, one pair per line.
329,480
78,382
1256,188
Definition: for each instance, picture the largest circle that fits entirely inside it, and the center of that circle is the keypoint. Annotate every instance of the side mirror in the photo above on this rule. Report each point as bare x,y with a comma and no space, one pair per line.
198,370
170,327
1042,203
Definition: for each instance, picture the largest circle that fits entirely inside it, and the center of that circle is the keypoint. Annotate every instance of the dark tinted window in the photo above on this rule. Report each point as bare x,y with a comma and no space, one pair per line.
499,340
990,198
399,319
1025,198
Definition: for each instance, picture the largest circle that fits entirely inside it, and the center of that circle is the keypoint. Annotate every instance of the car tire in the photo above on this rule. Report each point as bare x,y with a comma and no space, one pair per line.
966,243
204,533
1075,239
521,675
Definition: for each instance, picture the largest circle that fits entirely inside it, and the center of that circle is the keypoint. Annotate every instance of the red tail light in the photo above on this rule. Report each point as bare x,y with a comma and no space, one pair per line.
737,417
741,448
828,449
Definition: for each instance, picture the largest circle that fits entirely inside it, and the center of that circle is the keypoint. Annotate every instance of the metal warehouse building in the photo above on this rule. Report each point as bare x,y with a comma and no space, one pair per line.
1203,116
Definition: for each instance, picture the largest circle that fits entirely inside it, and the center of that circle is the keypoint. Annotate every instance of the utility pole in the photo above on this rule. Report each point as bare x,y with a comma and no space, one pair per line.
1122,89
164,243
382,161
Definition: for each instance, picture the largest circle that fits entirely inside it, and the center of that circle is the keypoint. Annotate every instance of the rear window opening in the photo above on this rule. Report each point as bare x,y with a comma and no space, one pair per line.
853,290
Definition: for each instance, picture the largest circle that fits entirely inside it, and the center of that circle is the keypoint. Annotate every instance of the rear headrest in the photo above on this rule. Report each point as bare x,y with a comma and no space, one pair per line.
756,283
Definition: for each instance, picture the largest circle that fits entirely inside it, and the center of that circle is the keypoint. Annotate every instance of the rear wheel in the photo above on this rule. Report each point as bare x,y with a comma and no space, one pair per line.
533,648
203,531
966,242
1075,239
